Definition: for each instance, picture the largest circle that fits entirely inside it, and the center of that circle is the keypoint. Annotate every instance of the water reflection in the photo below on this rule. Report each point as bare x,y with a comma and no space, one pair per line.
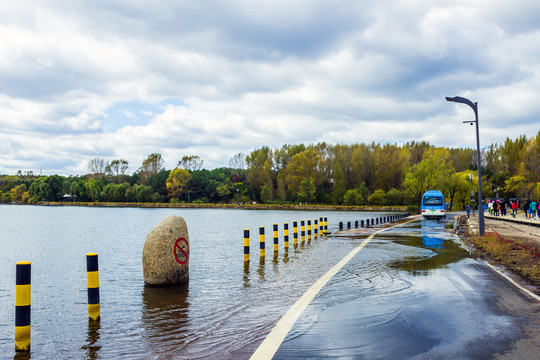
246,274
431,233
22,355
261,269
165,315
92,346
443,249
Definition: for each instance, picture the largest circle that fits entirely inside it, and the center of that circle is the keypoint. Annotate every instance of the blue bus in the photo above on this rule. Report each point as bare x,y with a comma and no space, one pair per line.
433,205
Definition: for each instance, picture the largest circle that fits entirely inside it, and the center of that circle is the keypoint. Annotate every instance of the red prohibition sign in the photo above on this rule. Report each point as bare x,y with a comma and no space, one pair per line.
181,246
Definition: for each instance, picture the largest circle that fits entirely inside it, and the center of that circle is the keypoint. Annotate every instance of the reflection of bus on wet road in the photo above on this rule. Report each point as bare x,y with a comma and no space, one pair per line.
433,204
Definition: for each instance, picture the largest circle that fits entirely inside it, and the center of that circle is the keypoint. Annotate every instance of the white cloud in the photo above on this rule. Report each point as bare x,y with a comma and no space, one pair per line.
245,76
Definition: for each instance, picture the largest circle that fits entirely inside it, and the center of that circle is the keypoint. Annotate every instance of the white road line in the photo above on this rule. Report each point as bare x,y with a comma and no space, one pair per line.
275,338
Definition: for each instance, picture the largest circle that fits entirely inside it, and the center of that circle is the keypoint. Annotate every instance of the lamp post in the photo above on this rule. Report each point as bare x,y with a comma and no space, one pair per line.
474,106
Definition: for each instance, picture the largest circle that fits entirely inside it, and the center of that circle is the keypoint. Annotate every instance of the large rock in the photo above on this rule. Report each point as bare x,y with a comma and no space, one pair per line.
162,258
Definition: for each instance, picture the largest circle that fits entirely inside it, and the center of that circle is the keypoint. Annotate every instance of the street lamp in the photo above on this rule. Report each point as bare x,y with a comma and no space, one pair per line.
474,106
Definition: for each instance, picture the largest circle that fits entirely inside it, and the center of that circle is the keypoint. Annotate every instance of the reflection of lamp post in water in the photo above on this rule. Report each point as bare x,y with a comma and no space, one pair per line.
474,106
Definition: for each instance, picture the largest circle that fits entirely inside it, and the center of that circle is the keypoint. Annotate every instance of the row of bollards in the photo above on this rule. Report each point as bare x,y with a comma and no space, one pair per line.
319,227
374,221
23,298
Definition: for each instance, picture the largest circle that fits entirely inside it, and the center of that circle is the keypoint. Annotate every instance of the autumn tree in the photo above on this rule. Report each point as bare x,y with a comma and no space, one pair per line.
303,165
260,164
338,189
177,182
151,166
427,174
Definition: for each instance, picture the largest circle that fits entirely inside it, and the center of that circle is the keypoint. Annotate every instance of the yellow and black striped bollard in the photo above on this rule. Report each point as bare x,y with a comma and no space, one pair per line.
22,306
286,235
276,238
246,245
309,230
261,241
325,225
92,279
321,226
315,228
303,230
295,233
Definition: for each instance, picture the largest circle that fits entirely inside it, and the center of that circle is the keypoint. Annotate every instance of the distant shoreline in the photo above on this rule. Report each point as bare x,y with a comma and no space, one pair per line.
310,207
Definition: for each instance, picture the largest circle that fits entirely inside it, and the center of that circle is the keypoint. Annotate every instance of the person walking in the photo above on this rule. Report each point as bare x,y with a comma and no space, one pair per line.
468,211
515,207
532,209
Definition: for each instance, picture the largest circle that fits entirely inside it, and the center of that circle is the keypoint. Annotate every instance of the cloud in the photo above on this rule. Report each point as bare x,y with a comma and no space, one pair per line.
124,79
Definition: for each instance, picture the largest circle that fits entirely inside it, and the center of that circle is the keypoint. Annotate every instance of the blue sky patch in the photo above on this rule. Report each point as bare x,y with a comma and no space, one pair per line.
134,113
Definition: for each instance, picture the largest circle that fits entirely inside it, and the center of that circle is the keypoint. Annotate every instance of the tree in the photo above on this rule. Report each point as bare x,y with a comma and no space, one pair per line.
151,166
17,192
419,180
223,190
307,190
117,168
351,197
40,189
265,194
56,183
74,189
339,187
238,161
97,166
259,164
394,197
177,182
93,189
363,166
191,163
430,173
517,186
378,197
303,165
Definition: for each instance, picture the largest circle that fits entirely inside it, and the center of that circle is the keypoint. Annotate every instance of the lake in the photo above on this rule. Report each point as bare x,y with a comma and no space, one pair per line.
224,312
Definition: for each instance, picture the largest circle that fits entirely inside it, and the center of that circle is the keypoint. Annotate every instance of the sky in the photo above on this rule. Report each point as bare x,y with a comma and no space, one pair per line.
124,79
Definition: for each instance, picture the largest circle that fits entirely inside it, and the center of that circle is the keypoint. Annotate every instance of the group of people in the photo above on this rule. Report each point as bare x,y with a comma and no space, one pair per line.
531,208
497,208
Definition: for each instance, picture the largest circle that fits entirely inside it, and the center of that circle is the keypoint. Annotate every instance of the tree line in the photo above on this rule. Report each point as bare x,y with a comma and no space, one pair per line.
358,174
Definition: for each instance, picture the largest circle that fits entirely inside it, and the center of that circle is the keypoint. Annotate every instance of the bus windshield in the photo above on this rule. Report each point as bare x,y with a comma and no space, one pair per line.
433,200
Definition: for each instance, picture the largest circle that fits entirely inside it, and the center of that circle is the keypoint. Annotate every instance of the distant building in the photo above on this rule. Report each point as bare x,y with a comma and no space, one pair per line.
69,198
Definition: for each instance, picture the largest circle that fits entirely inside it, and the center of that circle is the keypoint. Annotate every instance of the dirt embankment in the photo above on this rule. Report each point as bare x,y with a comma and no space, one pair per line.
515,247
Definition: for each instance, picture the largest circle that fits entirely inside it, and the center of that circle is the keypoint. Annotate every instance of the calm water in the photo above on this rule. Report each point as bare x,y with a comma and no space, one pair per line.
224,312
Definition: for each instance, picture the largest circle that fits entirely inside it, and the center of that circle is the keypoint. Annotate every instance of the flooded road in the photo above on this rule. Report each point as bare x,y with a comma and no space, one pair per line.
414,293
411,292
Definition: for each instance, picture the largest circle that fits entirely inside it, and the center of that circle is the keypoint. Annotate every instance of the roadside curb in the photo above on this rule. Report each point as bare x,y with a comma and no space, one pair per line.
517,221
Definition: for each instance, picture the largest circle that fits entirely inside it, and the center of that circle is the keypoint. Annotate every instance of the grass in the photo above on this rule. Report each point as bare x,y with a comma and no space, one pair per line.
523,259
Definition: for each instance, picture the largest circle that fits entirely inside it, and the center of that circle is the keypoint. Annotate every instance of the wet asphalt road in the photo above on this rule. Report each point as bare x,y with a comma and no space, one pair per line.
413,292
